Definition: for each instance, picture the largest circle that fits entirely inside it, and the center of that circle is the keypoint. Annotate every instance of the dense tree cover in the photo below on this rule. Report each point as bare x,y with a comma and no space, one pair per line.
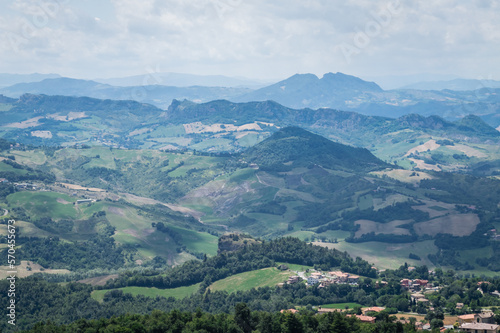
67,303
64,304
242,320
305,148
60,227
270,207
4,144
397,211
251,257
464,189
385,238
29,174
51,252
449,258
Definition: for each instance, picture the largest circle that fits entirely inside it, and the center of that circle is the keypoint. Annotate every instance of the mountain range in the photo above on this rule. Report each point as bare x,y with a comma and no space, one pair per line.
337,91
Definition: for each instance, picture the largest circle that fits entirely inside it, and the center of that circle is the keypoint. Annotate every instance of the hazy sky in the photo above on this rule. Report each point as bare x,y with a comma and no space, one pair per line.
252,38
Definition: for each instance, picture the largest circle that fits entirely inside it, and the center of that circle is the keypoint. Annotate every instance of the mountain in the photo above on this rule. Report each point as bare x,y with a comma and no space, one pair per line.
57,86
11,79
345,92
456,84
160,96
307,90
183,80
302,148
348,125
222,126
5,99
475,123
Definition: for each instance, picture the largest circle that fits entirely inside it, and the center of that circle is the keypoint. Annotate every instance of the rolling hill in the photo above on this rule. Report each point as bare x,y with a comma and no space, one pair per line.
299,148
158,95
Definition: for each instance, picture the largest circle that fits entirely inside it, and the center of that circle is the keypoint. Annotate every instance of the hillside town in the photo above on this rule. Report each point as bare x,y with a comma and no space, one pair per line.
418,289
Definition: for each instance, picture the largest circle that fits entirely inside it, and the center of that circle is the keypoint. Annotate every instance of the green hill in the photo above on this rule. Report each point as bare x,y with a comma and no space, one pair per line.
303,148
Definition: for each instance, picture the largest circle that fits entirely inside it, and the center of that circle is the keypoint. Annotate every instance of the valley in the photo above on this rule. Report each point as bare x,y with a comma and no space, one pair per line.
159,207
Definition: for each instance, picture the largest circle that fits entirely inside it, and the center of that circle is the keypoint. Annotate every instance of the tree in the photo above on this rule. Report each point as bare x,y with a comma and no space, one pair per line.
242,317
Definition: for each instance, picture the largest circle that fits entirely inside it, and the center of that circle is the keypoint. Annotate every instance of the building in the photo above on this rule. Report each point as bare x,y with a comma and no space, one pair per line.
464,319
312,280
373,309
327,310
478,318
485,318
417,296
317,275
353,278
364,319
479,328
290,310
293,279
340,276
405,283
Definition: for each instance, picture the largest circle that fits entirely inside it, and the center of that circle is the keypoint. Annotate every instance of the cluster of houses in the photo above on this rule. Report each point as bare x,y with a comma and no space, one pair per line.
470,323
478,322
20,186
362,317
325,279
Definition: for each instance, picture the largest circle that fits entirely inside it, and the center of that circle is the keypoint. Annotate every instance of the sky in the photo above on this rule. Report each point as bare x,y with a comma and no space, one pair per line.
257,39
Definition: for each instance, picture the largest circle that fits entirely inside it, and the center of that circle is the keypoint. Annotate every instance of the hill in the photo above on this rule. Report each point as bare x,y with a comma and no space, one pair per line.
337,91
223,126
11,79
158,95
307,90
302,148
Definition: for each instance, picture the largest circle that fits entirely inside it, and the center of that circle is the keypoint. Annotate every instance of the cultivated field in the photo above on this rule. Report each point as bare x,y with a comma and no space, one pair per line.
367,226
27,268
405,176
456,225
385,255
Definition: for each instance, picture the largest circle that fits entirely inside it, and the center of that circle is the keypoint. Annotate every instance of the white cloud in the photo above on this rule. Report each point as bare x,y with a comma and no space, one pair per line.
92,38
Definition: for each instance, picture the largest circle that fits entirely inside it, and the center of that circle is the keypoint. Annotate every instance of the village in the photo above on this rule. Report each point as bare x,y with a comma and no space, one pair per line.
418,289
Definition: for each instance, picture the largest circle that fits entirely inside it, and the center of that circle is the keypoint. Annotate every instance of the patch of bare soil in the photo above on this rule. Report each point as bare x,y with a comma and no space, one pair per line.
99,280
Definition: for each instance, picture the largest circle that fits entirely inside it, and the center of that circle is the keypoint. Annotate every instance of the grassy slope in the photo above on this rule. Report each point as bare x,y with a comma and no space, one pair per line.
266,277
178,293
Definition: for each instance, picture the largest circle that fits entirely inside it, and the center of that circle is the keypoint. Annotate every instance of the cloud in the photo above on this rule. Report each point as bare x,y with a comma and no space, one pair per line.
271,39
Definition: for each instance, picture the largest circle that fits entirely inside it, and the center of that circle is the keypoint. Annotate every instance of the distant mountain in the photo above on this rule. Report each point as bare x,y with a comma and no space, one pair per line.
11,79
58,86
350,126
5,99
183,80
474,123
345,92
302,148
456,85
157,95
307,90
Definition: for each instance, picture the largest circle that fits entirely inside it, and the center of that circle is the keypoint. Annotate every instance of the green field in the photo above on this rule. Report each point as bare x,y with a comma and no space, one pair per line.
295,267
266,277
198,241
179,293
4,167
385,255
45,204
341,305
